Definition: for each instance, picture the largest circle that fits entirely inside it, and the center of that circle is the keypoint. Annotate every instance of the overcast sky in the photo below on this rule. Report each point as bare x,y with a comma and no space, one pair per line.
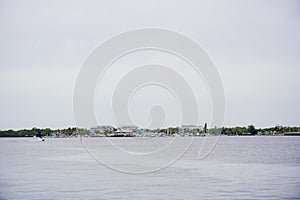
254,44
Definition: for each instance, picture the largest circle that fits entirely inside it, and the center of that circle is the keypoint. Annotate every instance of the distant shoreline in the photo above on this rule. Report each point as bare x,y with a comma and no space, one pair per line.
133,131
278,135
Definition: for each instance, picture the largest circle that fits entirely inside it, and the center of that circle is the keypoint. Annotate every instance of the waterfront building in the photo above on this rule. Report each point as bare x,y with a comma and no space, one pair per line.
190,130
128,128
101,129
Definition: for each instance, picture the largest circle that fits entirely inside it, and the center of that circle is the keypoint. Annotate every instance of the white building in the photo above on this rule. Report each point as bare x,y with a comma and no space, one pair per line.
101,129
189,129
128,128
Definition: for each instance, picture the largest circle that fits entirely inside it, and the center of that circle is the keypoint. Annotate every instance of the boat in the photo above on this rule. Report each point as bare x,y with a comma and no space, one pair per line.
41,139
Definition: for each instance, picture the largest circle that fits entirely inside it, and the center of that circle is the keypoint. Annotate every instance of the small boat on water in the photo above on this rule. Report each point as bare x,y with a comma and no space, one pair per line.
39,139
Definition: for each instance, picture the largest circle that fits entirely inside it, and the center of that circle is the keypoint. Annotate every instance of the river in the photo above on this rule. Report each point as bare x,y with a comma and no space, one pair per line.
259,167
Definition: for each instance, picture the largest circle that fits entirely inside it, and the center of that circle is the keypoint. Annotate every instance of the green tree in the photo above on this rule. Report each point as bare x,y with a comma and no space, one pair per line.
251,129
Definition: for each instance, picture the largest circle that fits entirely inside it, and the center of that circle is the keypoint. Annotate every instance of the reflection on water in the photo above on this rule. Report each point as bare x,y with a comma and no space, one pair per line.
238,168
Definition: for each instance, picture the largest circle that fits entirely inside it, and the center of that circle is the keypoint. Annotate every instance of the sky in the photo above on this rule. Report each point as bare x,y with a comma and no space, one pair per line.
255,46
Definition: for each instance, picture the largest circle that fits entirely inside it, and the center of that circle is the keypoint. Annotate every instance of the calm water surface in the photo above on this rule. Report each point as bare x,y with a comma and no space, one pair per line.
238,168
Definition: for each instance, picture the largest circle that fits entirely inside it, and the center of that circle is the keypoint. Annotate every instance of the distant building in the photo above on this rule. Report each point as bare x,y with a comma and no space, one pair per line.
189,129
101,129
128,128
121,134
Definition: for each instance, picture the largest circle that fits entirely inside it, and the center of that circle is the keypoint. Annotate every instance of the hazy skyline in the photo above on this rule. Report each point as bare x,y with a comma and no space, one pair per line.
255,46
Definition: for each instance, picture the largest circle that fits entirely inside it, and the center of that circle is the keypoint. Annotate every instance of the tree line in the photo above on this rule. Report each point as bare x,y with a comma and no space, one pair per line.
71,131
38,132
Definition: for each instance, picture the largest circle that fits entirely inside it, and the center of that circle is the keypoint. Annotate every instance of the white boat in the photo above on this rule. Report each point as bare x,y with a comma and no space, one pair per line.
41,139
37,140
